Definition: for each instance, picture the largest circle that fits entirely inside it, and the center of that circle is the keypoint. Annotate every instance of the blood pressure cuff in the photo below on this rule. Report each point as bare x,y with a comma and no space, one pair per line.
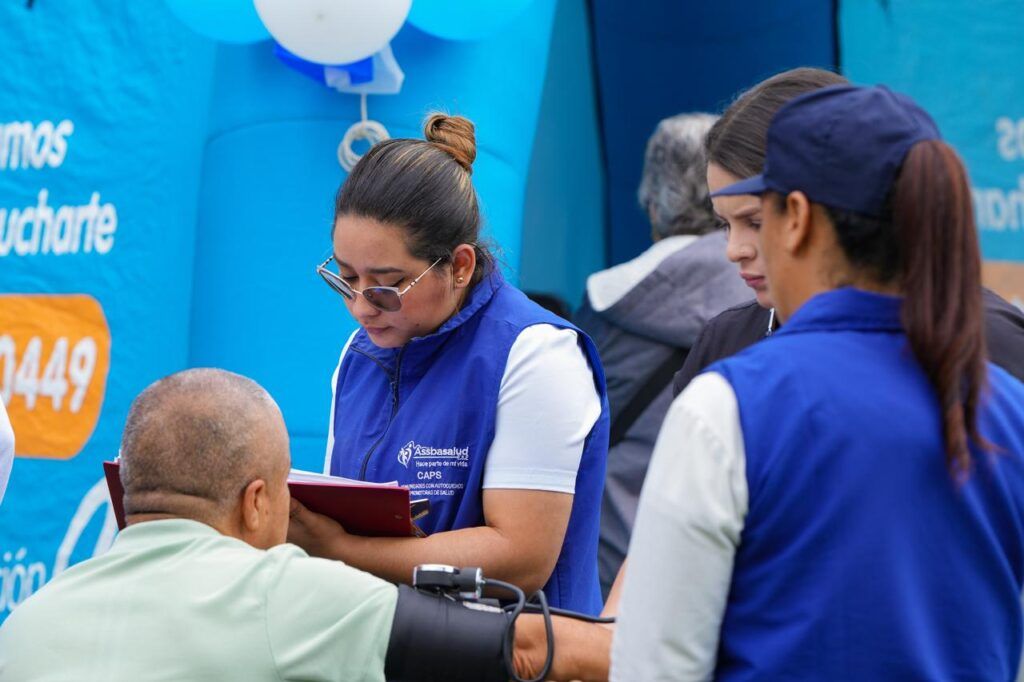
435,638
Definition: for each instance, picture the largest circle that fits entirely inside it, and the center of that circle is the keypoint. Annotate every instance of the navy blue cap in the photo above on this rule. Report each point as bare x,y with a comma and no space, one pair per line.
842,146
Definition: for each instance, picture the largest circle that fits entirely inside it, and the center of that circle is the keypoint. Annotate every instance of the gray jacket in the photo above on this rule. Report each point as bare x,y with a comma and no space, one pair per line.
638,313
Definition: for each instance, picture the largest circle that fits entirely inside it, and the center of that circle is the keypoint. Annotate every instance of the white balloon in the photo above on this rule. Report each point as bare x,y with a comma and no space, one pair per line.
333,31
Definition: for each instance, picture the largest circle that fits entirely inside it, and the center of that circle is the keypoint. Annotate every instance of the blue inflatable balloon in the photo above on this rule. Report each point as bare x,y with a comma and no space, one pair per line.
464,19
229,21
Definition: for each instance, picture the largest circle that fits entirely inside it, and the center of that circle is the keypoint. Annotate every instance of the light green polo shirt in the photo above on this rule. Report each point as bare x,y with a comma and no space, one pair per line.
176,600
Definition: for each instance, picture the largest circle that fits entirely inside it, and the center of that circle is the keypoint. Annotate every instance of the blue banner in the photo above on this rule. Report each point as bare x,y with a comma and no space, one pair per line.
962,62
102,124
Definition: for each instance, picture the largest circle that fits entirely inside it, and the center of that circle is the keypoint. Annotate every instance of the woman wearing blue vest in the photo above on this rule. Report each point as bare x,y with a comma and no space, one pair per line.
844,500
457,386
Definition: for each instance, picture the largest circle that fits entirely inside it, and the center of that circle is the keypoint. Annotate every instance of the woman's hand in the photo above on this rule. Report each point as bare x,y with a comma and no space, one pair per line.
319,535
519,544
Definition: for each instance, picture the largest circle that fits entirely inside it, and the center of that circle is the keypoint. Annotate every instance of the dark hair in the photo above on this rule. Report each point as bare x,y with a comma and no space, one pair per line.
424,188
737,141
926,240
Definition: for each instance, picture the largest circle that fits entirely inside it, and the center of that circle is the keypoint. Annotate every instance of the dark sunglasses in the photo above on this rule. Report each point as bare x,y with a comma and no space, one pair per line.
386,299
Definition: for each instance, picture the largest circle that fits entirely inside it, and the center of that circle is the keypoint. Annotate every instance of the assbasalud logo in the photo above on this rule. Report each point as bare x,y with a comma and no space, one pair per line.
405,454
412,449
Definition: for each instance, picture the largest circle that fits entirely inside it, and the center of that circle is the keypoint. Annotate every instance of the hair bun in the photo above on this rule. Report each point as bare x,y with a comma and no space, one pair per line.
453,134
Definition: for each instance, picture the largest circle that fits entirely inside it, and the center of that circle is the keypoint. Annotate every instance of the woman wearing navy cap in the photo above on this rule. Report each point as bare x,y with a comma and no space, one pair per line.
846,499
735,150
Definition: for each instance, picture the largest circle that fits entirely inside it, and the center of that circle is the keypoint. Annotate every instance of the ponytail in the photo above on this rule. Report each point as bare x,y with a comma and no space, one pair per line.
926,241
941,277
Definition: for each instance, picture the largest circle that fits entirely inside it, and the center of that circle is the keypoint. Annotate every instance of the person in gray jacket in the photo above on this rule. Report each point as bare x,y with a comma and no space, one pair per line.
645,314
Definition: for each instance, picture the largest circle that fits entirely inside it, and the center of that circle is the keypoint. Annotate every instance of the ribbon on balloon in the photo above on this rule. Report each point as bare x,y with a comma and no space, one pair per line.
379,74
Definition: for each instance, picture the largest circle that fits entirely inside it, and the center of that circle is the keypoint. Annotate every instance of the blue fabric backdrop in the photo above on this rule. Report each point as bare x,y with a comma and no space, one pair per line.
665,57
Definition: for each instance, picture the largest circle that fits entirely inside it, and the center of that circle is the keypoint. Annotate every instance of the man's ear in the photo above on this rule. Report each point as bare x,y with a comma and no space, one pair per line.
798,225
254,506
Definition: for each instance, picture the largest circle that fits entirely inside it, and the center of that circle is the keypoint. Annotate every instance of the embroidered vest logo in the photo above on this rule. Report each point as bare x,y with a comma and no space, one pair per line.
413,450
405,454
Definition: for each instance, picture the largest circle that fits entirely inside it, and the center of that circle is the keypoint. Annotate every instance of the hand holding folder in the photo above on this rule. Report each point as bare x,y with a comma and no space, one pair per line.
362,508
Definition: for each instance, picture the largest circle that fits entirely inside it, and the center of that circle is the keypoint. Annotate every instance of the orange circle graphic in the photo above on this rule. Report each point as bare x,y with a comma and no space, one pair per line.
54,361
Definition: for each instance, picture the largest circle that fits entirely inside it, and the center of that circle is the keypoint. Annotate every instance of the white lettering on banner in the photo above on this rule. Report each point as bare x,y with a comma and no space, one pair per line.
39,229
998,209
1010,141
43,229
19,580
22,377
23,145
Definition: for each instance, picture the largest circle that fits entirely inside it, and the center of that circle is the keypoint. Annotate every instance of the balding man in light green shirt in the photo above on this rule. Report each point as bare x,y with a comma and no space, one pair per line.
199,585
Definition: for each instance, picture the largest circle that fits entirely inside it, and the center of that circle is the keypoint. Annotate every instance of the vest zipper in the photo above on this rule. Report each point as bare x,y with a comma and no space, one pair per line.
391,418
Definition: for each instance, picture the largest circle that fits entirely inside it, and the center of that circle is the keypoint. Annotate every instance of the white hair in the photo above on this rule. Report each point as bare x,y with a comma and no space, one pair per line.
674,190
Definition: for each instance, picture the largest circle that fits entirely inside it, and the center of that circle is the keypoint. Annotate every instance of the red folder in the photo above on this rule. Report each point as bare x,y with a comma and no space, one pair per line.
371,509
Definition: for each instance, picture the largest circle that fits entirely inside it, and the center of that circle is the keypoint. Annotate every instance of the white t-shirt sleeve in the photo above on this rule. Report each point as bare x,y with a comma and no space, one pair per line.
334,395
692,511
547,405
6,449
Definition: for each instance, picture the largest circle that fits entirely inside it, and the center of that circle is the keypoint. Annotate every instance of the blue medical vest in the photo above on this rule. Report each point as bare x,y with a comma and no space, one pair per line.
860,557
424,415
